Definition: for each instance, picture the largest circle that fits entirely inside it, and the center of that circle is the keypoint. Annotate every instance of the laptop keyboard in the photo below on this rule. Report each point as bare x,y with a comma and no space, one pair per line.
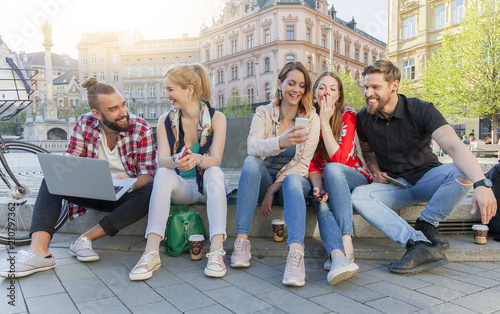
118,189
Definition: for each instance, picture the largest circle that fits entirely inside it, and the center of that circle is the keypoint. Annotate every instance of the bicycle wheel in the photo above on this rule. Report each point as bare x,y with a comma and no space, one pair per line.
16,204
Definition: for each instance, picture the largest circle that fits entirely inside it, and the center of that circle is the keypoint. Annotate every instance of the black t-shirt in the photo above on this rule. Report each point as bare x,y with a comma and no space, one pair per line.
402,143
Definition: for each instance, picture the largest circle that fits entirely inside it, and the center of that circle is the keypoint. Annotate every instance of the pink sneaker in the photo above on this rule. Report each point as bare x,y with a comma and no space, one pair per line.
215,265
295,272
241,253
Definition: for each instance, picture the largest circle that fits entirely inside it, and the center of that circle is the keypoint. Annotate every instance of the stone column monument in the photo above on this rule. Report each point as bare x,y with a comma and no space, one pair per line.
50,104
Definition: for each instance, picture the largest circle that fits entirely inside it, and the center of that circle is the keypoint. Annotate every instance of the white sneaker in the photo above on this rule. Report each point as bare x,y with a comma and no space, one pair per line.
342,269
328,263
241,253
295,271
215,265
82,249
27,263
145,267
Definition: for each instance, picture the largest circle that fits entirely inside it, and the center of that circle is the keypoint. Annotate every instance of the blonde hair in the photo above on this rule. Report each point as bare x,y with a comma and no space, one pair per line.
195,75
336,119
305,104
94,89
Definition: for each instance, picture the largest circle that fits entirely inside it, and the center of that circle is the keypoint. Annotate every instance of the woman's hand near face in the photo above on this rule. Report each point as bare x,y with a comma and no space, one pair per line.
326,108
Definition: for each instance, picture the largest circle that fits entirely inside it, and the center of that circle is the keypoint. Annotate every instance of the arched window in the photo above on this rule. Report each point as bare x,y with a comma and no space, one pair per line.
268,92
290,58
308,63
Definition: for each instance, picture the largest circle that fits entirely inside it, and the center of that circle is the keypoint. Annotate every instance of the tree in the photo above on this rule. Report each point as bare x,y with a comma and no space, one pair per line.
353,94
463,78
407,88
237,107
81,109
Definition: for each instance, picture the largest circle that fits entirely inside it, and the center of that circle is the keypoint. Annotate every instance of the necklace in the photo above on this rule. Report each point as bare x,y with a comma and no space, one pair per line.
285,120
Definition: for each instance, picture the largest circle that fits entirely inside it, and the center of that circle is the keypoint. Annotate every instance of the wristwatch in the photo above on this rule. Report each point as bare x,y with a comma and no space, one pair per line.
484,182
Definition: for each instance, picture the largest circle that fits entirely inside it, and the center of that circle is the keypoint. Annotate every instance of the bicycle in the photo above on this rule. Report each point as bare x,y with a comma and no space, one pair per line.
20,170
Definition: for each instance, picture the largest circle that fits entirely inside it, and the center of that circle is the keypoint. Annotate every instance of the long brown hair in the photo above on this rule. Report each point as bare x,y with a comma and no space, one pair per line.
336,119
305,104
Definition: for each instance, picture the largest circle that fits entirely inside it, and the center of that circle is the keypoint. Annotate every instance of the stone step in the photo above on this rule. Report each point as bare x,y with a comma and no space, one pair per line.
261,227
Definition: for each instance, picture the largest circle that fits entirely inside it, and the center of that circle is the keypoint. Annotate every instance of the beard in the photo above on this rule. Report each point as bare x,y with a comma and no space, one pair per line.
113,125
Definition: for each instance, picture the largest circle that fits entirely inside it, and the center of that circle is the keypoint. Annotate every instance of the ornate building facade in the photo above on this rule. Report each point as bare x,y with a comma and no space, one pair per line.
415,31
252,40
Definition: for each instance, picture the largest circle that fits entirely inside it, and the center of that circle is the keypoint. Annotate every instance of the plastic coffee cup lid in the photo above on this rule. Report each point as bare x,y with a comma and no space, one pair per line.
196,237
480,227
278,222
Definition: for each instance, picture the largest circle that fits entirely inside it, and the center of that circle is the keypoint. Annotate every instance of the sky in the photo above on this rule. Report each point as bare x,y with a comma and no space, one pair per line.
21,19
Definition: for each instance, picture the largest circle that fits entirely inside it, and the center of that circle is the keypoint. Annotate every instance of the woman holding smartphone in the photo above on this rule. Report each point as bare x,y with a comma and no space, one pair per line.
337,170
275,172
191,140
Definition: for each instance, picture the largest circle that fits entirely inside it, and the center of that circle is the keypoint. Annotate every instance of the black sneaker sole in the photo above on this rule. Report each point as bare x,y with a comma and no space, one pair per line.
419,268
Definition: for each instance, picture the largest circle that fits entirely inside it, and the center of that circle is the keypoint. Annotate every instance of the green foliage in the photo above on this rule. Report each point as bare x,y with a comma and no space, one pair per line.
13,126
81,109
407,88
353,92
237,107
463,78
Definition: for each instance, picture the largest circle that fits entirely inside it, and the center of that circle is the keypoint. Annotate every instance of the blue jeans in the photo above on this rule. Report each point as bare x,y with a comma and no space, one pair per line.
335,216
439,187
253,184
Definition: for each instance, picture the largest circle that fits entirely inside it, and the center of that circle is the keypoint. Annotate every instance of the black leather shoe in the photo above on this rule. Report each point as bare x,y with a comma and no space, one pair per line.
419,256
431,233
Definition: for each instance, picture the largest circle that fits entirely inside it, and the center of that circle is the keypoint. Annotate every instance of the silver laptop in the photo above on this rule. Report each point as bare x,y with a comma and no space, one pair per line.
82,177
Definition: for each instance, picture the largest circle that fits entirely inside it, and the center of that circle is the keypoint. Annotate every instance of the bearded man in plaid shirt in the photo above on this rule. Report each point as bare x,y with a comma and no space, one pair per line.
110,133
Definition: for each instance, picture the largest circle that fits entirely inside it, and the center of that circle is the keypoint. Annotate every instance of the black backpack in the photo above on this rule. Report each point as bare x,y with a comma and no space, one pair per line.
494,176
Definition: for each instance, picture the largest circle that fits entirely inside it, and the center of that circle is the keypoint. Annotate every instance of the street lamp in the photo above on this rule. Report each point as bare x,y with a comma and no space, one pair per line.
330,28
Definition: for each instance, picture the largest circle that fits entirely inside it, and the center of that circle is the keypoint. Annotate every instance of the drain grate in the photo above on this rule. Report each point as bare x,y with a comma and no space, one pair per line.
455,227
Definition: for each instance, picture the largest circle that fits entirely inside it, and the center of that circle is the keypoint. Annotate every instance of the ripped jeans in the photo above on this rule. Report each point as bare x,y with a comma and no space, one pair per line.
439,187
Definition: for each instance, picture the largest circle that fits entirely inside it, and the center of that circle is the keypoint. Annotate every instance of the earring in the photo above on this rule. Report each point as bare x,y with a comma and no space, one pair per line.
279,94
189,96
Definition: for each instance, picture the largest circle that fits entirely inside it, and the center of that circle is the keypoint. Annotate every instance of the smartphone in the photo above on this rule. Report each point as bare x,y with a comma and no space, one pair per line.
301,121
312,197
394,181
183,152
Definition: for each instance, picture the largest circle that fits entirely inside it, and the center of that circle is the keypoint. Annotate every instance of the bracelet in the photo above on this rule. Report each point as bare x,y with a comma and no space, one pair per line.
201,160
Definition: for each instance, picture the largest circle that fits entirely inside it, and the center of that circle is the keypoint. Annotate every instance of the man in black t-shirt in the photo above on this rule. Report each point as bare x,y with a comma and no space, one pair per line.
395,136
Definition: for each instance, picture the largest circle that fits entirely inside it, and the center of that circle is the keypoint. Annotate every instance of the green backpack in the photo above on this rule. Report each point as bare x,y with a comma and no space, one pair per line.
182,223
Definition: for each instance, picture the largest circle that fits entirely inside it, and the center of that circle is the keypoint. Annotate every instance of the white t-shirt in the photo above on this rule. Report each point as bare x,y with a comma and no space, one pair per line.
112,156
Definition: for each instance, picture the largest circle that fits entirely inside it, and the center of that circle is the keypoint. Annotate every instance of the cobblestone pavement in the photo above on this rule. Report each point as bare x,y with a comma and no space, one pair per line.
180,286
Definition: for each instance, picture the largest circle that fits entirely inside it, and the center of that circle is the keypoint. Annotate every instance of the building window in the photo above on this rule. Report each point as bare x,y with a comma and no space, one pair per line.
290,32
85,76
337,46
410,27
365,58
267,65
234,73
308,35
152,113
140,112
114,58
308,63
128,92
267,36
94,74
152,70
458,11
221,100
347,51
250,41
152,91
250,67
409,69
323,41
101,76
139,71
139,92
268,92
164,110
290,58
93,58
115,76
101,58
128,72
440,14
323,66
220,51
356,54
234,46
220,76
84,60
163,91
250,96
207,55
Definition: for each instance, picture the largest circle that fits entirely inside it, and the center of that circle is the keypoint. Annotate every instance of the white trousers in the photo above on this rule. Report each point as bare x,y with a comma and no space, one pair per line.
170,188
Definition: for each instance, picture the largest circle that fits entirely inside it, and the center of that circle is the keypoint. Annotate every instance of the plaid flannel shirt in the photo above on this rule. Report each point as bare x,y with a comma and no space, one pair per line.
135,146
